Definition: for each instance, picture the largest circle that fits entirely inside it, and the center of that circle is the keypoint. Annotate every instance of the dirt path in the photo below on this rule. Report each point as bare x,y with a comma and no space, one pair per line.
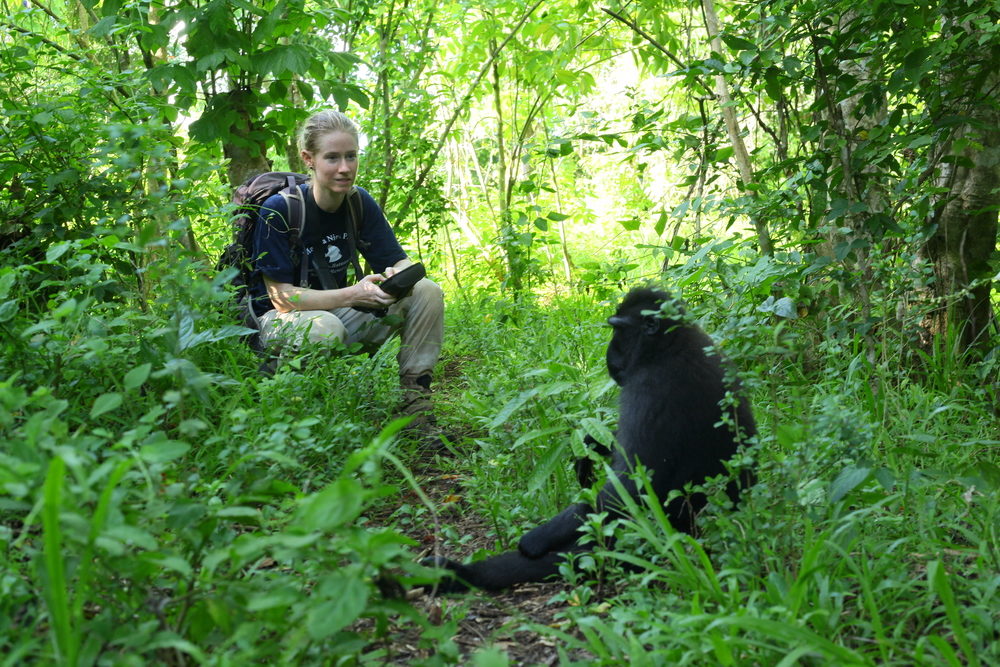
503,620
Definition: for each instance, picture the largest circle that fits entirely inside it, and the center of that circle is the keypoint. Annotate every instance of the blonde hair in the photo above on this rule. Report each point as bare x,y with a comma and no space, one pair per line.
322,123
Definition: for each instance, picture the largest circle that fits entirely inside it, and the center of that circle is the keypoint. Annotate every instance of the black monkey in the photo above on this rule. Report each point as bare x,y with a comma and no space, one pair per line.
671,405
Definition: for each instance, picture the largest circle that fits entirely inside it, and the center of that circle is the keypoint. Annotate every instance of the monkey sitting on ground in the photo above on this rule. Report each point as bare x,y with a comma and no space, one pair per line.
673,394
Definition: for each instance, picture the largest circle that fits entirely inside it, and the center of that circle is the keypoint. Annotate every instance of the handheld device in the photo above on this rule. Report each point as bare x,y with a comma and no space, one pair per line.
399,285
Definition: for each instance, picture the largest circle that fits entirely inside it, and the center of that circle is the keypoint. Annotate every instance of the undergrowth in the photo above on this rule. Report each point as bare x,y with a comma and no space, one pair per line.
161,500
870,538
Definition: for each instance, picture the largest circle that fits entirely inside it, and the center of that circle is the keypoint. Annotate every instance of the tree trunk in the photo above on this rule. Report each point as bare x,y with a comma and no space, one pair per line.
964,224
740,153
295,161
852,178
965,237
246,154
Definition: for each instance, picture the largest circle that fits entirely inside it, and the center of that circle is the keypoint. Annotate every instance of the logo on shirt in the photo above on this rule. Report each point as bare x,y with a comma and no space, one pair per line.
333,254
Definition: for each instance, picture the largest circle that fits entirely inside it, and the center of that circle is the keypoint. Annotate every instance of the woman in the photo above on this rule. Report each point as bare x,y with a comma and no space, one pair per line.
309,313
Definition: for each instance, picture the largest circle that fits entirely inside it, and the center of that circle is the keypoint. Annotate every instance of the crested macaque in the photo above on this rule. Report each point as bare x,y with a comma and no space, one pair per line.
674,418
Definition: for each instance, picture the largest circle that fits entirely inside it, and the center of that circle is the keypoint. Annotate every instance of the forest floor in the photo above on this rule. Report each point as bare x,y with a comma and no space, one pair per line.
501,620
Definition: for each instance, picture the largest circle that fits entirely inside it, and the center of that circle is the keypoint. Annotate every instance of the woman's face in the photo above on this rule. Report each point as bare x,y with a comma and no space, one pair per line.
335,162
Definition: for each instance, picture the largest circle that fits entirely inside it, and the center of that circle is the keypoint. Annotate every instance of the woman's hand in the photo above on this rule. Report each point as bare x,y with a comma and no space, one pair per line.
366,292
397,267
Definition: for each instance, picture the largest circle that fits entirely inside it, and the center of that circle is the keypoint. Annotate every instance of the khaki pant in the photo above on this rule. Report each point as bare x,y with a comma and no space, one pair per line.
422,328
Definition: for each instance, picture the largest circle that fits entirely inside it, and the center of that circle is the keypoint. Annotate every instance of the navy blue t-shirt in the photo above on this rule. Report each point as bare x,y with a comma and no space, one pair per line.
324,232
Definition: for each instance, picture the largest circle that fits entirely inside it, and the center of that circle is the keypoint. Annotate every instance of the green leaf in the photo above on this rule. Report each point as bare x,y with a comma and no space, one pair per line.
105,403
947,652
490,656
137,376
598,430
88,566
772,83
792,65
917,59
169,642
249,515
189,338
7,281
337,504
738,43
8,310
132,536
885,478
559,148
346,598
210,61
56,251
848,479
940,583
172,562
343,60
56,589
65,309
554,456
283,59
785,307
341,97
279,597
919,141
661,223
513,406
163,450
103,27
723,154
305,90
784,633
631,224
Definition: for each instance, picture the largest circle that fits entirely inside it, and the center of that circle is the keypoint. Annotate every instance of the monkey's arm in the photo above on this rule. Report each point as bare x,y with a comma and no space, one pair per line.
562,531
557,534
584,466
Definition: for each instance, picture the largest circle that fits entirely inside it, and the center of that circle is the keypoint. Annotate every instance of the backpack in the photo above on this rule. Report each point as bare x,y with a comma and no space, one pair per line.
249,197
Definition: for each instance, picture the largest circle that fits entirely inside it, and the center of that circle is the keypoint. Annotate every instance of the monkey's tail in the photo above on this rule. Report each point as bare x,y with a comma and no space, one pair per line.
497,572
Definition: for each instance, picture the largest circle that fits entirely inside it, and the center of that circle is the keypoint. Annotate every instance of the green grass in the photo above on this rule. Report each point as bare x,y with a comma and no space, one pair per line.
870,539
161,501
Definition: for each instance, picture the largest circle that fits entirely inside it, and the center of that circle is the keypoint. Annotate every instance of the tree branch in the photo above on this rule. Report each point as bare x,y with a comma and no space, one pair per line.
659,47
470,91
46,40
740,153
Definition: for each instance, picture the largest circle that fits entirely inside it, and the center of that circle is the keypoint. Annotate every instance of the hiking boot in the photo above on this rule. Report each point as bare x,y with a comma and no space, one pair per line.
423,428
417,400
268,367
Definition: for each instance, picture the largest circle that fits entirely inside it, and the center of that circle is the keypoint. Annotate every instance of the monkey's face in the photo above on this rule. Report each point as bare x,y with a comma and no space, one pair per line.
633,332
640,330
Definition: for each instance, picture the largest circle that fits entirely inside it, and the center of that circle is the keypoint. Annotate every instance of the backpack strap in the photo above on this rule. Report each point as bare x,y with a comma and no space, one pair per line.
356,213
297,225
294,199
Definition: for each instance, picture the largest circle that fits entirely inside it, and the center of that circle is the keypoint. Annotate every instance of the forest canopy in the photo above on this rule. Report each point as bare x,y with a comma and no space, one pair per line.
819,181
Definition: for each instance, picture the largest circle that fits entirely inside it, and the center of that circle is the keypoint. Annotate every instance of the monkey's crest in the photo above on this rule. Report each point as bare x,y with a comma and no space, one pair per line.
649,311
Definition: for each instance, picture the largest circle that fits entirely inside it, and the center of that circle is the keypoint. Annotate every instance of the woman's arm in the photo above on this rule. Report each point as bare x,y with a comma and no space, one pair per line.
287,297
